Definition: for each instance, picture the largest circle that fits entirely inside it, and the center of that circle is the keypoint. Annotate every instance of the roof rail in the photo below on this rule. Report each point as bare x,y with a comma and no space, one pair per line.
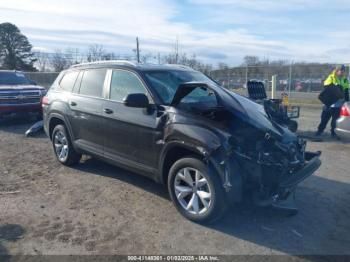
180,66
107,62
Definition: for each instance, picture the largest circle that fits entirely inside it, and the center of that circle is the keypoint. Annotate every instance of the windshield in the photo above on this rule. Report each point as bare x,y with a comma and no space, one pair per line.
13,78
165,83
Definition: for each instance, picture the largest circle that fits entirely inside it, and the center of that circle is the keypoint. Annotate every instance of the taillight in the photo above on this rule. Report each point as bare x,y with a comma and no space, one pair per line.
44,101
344,111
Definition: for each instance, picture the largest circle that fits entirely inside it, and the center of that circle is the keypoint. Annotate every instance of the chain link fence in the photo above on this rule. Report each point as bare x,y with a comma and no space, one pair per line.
290,78
44,79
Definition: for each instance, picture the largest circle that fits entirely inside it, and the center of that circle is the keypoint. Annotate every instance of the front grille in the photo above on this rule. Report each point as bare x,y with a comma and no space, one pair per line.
21,97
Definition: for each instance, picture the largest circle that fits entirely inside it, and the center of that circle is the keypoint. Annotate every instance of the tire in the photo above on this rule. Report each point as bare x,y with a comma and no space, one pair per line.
207,190
63,148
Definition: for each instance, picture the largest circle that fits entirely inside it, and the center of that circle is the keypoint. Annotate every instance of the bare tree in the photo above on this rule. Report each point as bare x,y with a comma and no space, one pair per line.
250,60
60,61
222,66
42,61
96,52
73,54
108,56
146,57
169,59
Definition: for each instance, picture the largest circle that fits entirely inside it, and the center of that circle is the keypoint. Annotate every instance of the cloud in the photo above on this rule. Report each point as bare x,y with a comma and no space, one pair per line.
223,30
273,5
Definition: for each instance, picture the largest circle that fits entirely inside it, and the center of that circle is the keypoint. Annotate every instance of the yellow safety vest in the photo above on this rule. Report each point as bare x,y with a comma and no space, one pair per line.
332,79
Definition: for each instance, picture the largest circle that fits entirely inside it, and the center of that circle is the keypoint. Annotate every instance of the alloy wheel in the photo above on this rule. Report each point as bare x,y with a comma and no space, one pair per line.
61,145
192,190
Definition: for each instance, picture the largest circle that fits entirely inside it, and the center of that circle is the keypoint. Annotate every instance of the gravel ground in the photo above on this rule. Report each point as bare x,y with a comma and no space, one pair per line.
95,208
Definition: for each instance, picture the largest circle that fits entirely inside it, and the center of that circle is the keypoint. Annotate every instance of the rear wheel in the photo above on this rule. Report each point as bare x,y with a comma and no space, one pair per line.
63,148
196,192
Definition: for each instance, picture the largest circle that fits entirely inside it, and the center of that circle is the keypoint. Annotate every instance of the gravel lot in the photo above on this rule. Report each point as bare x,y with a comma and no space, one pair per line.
95,208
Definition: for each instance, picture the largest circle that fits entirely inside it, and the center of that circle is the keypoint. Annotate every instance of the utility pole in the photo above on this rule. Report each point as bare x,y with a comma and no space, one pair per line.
290,79
177,50
273,86
246,75
228,78
137,50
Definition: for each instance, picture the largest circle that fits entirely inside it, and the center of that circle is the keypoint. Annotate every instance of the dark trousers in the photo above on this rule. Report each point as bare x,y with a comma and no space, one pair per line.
328,113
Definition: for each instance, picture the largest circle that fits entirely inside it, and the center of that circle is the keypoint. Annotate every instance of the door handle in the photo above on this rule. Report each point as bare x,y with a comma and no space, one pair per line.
108,111
72,103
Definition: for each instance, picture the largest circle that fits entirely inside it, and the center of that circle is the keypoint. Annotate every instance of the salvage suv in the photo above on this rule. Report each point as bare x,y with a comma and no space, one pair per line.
18,94
173,124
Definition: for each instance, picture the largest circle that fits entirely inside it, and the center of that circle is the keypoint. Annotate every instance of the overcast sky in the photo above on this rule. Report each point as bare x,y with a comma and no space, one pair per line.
215,30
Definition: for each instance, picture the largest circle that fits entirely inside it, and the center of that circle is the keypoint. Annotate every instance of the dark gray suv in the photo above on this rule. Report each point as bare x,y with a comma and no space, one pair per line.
178,127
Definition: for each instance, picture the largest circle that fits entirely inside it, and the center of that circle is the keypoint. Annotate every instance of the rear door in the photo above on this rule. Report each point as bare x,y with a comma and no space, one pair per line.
86,110
129,132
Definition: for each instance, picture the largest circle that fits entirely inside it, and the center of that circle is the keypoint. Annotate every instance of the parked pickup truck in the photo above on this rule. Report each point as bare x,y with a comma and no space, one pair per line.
18,94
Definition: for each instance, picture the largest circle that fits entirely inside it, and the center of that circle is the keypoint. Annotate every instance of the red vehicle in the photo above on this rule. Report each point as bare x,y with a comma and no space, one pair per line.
18,94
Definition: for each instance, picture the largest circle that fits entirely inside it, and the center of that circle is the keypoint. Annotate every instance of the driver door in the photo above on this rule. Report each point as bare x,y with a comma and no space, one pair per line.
129,132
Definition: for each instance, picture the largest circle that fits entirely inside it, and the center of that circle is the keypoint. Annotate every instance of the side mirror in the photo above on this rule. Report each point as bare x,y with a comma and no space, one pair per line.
137,100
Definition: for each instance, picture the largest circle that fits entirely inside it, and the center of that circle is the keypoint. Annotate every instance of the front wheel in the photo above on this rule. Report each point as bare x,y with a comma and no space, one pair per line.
63,148
195,191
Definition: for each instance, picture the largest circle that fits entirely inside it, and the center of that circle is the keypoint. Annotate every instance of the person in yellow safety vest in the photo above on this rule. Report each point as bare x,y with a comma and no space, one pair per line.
337,77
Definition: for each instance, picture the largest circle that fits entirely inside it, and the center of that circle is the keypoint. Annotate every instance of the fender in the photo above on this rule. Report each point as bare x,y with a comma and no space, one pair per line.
177,144
65,121
218,161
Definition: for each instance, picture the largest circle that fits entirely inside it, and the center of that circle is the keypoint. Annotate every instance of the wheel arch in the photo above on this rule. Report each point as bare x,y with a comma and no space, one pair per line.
56,119
176,150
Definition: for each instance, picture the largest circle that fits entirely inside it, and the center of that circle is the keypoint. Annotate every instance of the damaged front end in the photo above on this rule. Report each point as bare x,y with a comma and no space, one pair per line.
257,155
272,169
266,169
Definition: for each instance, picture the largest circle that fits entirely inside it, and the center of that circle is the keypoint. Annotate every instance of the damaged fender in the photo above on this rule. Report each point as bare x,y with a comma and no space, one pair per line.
217,155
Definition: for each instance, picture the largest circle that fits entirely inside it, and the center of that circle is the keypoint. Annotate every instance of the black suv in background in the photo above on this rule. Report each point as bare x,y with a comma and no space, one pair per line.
175,125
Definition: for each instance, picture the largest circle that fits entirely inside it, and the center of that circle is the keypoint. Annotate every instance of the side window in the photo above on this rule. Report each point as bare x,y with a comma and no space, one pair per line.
78,82
92,82
68,80
124,83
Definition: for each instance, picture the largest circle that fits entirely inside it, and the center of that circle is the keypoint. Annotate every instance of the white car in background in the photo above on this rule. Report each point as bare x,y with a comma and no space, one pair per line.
343,123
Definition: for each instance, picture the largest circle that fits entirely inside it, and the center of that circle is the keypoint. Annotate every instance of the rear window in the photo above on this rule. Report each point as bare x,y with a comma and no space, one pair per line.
92,82
68,80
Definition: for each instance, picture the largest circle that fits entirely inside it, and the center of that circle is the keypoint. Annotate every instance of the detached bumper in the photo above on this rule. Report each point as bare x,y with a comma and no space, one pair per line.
313,163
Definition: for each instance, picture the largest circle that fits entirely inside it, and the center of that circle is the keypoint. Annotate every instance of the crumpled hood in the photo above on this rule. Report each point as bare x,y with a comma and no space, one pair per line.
241,107
255,115
252,113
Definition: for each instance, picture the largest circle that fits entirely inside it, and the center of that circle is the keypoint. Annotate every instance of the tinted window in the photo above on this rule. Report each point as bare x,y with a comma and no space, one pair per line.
92,82
68,80
13,78
124,83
